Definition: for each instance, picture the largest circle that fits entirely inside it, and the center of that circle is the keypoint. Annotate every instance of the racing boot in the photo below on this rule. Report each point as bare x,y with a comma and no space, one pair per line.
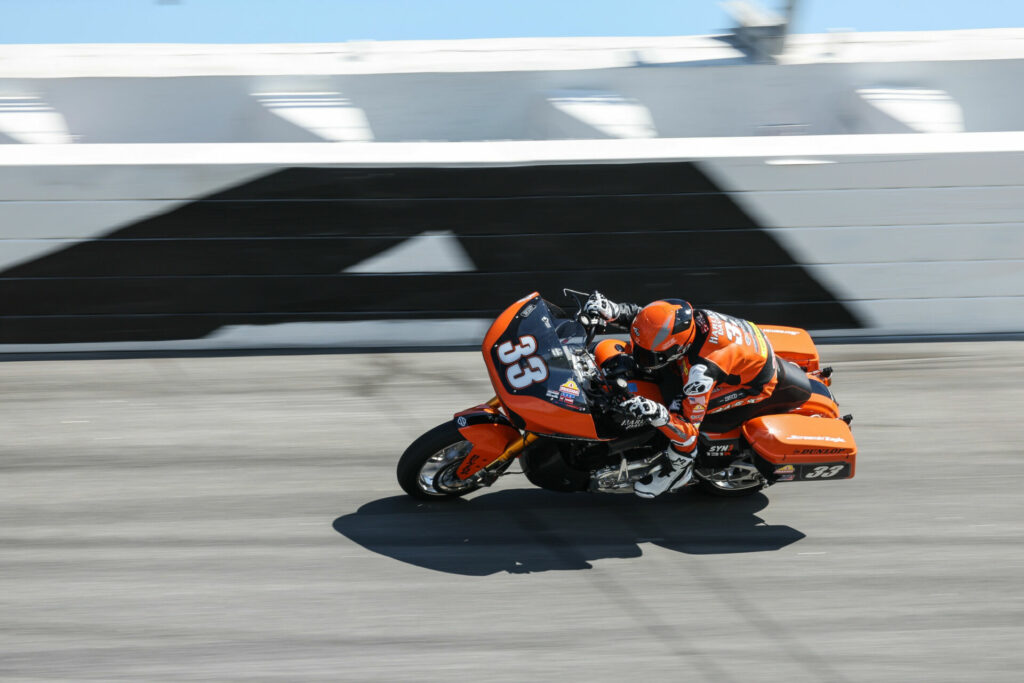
675,472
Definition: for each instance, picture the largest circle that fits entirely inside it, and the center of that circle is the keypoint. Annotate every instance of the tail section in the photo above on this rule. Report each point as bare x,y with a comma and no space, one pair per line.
795,447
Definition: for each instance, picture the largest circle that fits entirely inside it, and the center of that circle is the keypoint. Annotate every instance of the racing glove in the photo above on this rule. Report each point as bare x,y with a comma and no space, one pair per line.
600,306
641,408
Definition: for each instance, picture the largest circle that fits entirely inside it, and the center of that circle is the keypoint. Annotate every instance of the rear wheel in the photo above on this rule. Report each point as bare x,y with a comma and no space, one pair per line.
427,468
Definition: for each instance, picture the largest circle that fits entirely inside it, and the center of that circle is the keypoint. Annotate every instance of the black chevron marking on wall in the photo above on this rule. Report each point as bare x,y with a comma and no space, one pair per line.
272,250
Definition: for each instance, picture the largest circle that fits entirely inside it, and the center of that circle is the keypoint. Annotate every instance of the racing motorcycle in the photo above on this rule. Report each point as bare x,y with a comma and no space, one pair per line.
556,411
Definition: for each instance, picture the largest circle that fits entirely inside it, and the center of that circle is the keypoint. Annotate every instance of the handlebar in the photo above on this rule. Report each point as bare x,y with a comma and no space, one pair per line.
618,386
591,325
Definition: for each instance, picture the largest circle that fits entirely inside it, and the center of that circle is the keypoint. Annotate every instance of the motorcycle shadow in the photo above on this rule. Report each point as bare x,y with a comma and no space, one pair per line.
523,531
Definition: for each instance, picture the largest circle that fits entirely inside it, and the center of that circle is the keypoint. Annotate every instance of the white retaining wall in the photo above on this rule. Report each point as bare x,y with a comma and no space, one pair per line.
687,86
916,234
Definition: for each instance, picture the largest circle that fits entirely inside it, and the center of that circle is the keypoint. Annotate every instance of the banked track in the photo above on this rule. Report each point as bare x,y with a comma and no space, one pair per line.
237,518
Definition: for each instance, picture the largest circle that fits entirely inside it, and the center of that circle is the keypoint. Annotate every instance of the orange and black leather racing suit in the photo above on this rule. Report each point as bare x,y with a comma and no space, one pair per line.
729,365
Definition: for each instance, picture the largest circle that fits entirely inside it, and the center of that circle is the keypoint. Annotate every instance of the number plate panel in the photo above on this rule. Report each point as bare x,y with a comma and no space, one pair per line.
823,471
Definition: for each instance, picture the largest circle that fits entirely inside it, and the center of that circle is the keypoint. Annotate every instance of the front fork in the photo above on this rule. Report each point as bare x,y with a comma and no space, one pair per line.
493,470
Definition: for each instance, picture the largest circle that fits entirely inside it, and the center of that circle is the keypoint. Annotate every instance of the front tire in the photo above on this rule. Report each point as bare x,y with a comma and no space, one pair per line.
427,468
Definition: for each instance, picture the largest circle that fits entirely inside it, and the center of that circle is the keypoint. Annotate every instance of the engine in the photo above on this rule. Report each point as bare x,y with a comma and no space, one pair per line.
574,466
620,479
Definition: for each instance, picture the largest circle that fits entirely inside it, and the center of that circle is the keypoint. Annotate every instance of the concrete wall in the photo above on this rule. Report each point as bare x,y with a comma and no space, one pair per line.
200,246
684,101
506,90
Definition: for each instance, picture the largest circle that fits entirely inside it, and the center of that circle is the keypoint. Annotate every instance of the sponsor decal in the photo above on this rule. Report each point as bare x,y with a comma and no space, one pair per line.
734,404
525,313
720,449
697,408
569,387
568,392
631,386
556,352
717,330
785,469
461,421
786,477
772,330
468,465
820,451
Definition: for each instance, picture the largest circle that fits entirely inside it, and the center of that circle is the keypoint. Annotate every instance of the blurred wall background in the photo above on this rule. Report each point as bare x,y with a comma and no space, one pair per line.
360,194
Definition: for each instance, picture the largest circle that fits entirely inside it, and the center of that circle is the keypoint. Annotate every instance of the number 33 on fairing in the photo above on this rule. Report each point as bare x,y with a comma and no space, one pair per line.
530,371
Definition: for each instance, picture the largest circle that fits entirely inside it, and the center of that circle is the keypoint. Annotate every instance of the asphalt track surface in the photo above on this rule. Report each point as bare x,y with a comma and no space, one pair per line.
238,519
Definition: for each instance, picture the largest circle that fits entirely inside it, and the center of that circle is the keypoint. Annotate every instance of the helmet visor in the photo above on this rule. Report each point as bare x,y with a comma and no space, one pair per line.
652,360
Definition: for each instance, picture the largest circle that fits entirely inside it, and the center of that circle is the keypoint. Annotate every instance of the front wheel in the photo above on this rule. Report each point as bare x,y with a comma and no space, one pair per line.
427,468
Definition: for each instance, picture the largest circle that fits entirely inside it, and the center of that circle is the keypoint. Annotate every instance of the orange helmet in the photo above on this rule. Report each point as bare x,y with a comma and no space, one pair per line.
661,332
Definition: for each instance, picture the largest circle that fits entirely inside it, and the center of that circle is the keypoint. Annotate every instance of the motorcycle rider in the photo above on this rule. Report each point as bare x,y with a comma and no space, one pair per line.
726,364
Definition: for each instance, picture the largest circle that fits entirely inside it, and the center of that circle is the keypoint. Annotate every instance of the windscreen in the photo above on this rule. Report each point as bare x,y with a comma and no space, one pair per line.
536,356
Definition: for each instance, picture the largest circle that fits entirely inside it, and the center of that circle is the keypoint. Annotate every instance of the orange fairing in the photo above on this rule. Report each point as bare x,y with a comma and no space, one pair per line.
800,439
547,418
489,432
818,405
489,442
539,415
792,343
500,324
718,436
639,387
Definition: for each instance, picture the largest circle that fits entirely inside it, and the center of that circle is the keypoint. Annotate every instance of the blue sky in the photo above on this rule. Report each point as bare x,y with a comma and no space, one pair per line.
260,21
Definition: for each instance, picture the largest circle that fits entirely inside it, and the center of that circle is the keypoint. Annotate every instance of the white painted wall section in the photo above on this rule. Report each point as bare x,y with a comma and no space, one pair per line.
608,113
922,110
912,243
30,120
429,252
328,115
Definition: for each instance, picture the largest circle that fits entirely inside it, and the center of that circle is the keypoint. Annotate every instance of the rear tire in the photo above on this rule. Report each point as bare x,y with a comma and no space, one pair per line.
427,468
715,490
